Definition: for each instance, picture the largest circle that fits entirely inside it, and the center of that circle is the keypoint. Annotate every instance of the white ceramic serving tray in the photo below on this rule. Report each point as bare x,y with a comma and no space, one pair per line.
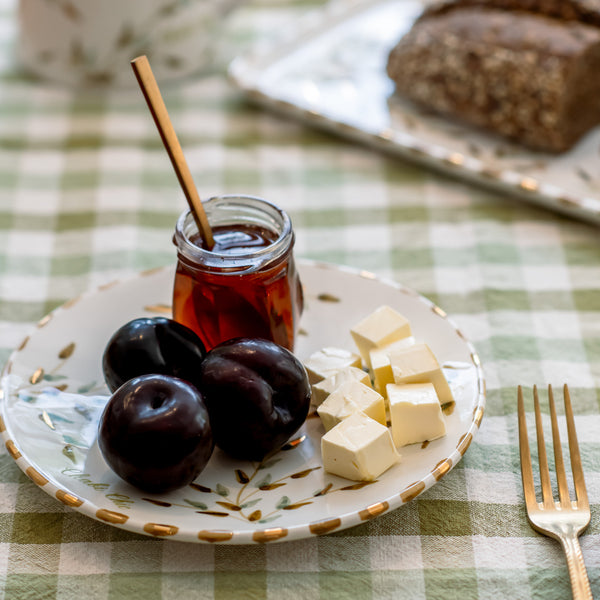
332,75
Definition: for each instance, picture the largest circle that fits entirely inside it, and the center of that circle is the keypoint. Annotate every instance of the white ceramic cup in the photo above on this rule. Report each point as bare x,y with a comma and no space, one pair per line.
91,42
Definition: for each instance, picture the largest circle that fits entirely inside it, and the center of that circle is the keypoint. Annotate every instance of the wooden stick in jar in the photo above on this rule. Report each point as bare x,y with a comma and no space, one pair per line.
149,87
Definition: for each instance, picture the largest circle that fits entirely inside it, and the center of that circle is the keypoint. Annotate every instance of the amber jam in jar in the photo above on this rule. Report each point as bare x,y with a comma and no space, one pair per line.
246,285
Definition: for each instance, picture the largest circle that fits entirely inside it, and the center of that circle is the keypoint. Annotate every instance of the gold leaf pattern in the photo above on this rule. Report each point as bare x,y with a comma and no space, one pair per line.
47,420
328,298
37,376
158,502
213,513
324,490
201,488
356,486
69,453
255,516
295,505
241,476
270,486
67,351
304,473
229,505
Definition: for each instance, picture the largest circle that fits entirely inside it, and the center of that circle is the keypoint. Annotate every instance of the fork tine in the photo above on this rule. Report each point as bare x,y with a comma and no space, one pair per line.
559,464
547,497
526,468
565,521
577,469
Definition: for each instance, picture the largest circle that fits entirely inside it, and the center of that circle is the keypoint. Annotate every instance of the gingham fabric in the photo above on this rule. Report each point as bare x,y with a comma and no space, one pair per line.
87,195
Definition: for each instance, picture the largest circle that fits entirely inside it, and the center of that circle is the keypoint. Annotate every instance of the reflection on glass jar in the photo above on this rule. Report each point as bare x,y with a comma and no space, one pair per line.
247,284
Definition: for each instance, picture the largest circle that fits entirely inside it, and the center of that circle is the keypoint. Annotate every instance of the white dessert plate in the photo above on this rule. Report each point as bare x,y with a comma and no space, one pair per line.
332,75
53,394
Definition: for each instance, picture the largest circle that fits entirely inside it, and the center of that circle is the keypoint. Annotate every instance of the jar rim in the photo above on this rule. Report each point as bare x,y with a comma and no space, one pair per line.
275,217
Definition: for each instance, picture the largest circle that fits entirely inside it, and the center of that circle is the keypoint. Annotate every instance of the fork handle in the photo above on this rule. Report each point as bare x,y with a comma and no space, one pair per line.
580,582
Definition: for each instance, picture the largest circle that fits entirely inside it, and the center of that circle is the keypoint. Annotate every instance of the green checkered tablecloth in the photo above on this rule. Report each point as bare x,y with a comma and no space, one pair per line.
87,196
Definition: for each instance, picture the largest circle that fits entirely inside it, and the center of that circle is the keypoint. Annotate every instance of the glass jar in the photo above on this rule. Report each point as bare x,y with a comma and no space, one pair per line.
247,284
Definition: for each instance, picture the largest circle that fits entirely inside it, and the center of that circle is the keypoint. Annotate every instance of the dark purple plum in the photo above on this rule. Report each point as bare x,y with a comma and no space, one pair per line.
152,346
155,433
257,395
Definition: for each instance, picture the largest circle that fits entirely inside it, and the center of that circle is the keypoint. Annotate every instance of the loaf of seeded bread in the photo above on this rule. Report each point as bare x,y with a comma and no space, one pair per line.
526,69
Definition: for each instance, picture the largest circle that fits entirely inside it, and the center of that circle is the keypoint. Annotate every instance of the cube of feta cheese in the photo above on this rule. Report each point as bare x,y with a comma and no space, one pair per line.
322,389
328,361
348,398
381,327
358,448
418,364
415,413
381,367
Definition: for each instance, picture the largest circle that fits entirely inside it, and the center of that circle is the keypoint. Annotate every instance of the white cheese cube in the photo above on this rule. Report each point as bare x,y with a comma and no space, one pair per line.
322,389
415,413
348,398
381,366
383,326
328,361
359,448
418,364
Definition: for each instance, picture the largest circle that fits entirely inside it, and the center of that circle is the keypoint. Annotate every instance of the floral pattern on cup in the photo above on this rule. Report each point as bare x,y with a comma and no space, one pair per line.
90,43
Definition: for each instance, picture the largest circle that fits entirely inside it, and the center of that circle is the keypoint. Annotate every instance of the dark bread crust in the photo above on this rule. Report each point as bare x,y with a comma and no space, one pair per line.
584,11
525,75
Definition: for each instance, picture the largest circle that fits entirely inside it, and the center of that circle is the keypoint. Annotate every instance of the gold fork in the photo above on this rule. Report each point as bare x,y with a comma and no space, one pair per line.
564,519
